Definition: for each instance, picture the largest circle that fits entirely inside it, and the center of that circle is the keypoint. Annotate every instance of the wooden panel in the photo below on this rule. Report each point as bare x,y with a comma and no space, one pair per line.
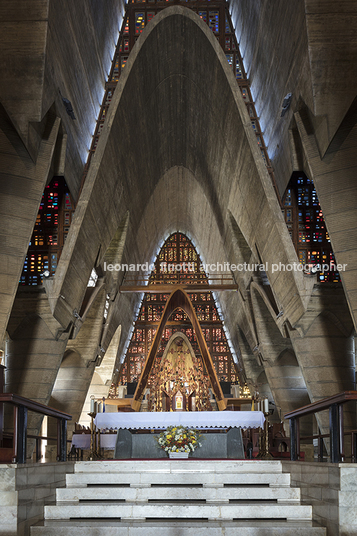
6,455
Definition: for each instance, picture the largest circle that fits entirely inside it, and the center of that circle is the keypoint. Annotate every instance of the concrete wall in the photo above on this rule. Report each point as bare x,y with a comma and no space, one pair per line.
25,490
331,490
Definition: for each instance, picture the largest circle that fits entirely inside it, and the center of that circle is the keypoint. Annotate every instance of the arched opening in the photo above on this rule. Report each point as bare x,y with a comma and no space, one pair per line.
179,380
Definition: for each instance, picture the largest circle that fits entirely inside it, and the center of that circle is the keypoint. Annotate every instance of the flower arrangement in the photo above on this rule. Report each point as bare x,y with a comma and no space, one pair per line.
179,439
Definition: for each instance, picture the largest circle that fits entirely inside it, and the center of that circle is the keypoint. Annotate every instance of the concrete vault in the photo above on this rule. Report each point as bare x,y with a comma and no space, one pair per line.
177,153
177,111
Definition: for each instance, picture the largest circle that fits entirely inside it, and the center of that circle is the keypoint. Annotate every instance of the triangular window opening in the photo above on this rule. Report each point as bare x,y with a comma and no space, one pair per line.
177,250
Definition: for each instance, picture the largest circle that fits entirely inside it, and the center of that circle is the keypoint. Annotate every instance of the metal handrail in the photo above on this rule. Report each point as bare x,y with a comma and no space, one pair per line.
335,406
319,438
21,407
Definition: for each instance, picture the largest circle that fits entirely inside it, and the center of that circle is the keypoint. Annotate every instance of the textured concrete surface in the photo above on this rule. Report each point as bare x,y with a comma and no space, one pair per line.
178,153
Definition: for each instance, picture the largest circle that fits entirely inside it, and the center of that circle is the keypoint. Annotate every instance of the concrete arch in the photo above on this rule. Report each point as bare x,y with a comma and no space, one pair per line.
292,387
179,299
69,388
333,352
102,377
325,354
33,355
287,358
150,129
71,358
78,364
183,206
285,380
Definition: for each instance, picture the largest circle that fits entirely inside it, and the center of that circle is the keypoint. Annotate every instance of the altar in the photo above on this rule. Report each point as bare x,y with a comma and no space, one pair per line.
193,419
221,431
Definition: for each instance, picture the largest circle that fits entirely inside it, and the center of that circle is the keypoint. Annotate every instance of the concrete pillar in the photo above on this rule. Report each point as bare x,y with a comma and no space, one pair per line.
323,344
34,351
76,370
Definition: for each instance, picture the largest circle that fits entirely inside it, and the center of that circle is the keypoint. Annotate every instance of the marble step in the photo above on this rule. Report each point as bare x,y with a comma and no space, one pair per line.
179,493
214,511
174,528
137,479
163,465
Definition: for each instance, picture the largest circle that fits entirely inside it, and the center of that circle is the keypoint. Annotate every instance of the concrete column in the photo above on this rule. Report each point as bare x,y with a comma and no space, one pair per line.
34,350
76,370
323,344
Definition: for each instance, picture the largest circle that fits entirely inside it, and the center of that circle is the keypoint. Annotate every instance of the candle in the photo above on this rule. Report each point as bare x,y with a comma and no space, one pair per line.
92,404
266,405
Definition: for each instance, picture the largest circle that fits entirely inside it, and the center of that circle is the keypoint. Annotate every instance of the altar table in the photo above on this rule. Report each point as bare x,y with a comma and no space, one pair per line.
192,419
82,441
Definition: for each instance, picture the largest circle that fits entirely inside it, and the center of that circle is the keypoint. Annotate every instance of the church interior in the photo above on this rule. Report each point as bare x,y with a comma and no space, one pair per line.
178,200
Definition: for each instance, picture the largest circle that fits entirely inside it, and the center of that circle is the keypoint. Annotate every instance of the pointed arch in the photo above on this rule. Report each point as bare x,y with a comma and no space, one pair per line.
177,250
174,336
178,299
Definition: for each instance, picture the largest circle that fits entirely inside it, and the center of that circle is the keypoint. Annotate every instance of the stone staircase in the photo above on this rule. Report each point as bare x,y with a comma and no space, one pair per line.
178,498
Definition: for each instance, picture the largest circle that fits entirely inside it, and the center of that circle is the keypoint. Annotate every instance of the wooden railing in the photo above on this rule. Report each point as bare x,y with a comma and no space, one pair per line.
17,453
335,406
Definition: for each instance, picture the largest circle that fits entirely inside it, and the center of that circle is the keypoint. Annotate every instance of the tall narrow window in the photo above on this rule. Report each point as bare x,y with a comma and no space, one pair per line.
307,227
51,228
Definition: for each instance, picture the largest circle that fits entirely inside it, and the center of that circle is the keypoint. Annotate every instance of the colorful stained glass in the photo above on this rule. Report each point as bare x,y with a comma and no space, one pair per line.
307,227
49,232
203,15
213,21
139,22
239,73
178,247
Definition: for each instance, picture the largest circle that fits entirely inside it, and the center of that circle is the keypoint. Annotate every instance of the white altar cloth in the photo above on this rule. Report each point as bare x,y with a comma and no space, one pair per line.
82,441
193,419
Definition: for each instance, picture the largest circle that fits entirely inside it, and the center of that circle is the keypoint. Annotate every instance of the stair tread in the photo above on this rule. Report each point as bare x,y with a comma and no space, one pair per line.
179,510
77,479
187,491
188,528
174,523
164,465
144,498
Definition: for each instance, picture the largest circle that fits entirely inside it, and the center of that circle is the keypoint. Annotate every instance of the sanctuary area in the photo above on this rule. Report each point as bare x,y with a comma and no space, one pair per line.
178,256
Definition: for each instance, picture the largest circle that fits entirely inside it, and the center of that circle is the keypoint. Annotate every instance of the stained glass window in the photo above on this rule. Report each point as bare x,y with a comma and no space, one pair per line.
178,248
203,15
307,227
49,234
139,22
213,21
